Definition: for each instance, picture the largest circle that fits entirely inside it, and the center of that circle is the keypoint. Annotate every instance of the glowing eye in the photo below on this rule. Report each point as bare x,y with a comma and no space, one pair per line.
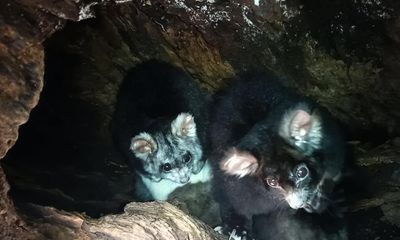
272,181
166,167
302,172
187,157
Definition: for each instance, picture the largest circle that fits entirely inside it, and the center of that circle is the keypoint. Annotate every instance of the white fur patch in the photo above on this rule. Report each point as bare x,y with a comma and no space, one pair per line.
219,229
234,236
296,199
161,190
184,125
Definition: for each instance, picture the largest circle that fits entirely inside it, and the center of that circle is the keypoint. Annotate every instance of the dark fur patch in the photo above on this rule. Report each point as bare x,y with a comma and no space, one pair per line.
249,116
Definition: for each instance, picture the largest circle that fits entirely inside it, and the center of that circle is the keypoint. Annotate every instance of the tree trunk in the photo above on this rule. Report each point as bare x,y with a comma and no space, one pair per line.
343,53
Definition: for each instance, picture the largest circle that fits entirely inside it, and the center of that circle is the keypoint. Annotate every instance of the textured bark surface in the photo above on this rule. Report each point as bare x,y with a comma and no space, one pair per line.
141,221
11,226
21,80
343,53
23,27
151,221
376,213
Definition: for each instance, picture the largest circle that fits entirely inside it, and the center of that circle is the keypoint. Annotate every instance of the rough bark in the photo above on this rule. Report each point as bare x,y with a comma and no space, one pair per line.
344,53
12,226
21,80
141,221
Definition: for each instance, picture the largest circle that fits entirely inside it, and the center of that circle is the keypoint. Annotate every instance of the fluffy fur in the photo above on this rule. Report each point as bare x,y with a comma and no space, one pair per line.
272,149
159,125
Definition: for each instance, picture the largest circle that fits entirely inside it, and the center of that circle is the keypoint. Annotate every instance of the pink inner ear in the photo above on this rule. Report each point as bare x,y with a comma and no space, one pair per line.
141,146
187,124
301,120
239,163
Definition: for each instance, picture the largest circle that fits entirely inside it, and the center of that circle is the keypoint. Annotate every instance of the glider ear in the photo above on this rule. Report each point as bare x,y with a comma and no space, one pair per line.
184,125
302,129
143,145
239,163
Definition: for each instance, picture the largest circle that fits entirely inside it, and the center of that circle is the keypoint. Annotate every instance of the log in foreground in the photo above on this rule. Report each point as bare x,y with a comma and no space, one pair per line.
144,221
